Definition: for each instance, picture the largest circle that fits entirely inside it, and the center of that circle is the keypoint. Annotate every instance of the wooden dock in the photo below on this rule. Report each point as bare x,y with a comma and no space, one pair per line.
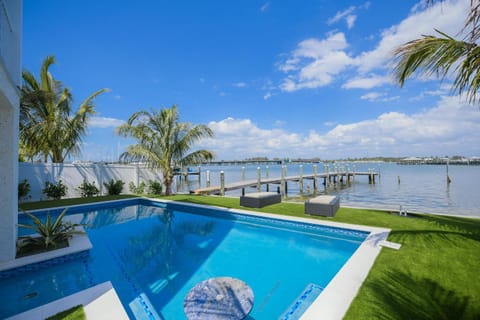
328,179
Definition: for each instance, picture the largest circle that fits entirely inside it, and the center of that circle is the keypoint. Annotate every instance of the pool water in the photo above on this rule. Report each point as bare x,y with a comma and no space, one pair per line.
154,253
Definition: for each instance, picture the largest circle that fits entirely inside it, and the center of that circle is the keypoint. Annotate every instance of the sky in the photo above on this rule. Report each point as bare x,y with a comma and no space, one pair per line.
276,79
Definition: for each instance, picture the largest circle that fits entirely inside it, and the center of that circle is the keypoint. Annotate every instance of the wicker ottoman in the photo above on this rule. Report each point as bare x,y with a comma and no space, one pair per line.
260,199
322,206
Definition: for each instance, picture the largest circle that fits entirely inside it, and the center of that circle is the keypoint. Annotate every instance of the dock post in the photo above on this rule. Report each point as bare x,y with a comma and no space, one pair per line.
301,179
315,172
243,173
448,176
259,179
199,176
267,177
283,182
208,178
222,183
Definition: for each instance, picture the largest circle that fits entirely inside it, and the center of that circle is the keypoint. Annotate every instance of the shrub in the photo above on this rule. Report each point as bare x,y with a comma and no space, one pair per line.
154,187
88,189
114,187
51,233
140,189
23,189
55,191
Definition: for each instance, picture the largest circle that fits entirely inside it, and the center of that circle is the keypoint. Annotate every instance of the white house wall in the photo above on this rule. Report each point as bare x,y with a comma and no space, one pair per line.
10,71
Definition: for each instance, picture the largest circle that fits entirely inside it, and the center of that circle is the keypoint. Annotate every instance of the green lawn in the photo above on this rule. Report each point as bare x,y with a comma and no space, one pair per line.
435,275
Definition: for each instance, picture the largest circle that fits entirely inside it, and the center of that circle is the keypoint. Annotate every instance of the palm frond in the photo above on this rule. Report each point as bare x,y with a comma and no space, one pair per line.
440,56
47,126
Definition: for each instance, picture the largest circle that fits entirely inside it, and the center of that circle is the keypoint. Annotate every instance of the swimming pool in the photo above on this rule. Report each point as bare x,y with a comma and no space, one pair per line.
155,252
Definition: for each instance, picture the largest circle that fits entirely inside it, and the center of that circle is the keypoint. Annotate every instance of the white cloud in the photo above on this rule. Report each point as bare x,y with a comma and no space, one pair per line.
267,96
240,84
319,62
265,7
315,62
442,90
372,96
117,97
447,16
378,96
104,122
350,21
451,127
367,82
341,15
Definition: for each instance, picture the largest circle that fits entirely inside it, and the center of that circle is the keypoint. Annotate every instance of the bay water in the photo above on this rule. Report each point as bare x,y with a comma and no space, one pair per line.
417,188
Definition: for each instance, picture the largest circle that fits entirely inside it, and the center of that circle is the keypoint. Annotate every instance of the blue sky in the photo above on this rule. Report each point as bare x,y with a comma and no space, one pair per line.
271,78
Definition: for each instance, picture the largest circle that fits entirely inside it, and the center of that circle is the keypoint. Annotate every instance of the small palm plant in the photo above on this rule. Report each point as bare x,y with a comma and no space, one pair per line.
51,233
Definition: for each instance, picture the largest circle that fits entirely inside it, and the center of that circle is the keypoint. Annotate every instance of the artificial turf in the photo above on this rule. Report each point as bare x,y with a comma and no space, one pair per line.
433,276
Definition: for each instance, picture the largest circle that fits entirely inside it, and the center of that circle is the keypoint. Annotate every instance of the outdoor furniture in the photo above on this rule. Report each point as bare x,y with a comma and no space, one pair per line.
322,206
260,199
219,299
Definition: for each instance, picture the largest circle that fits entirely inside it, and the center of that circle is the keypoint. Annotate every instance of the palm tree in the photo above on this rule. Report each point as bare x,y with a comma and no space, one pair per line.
164,142
47,128
443,55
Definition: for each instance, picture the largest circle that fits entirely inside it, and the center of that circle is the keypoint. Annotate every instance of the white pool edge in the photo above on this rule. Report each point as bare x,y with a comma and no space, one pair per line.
99,302
335,299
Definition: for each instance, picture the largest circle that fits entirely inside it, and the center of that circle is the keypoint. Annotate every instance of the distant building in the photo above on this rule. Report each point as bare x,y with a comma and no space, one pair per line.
10,80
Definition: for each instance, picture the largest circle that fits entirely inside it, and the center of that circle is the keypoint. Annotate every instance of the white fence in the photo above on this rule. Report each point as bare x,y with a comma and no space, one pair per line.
73,175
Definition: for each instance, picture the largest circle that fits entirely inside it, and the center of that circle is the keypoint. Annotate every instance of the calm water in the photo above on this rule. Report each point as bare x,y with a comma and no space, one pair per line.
422,188
154,255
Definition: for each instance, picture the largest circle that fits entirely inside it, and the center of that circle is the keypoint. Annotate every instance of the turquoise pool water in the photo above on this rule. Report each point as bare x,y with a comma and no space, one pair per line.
154,253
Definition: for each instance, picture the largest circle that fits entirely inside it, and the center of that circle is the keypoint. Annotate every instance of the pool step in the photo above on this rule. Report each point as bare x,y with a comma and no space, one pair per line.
301,304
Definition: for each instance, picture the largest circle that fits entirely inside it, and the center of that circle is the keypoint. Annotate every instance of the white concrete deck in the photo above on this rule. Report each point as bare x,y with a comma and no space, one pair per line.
99,302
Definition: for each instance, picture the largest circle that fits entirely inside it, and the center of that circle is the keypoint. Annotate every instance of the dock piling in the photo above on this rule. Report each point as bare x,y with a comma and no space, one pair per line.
222,183
259,179
300,181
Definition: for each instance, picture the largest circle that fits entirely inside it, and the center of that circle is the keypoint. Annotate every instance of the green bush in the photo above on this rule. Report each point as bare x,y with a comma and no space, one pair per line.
114,187
154,187
140,189
88,189
55,191
23,189
51,233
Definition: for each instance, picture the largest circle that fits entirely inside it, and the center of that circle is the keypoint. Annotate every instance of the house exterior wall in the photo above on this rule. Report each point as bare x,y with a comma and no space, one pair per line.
10,73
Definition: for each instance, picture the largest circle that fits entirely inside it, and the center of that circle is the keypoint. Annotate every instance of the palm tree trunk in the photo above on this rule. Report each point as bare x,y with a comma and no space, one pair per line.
167,180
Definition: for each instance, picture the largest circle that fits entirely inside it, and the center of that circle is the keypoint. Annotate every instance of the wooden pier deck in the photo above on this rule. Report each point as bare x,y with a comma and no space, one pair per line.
331,177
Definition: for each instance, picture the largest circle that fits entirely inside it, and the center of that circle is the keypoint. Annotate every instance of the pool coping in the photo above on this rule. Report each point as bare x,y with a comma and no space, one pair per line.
337,296
99,302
